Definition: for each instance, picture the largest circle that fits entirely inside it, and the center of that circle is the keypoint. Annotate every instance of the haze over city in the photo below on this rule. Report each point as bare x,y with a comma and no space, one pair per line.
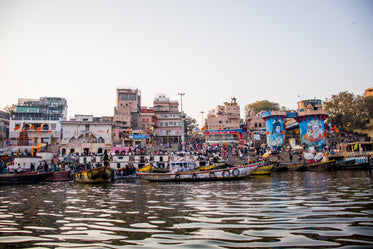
281,51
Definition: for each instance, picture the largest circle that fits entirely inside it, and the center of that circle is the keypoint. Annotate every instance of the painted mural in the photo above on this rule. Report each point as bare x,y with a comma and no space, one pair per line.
312,131
275,134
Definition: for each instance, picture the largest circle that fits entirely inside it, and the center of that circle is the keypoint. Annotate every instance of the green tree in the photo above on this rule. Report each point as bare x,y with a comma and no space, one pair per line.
347,111
190,123
260,106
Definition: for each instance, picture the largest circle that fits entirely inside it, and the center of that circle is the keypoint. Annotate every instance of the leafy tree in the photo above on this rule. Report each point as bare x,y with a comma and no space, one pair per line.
347,111
260,106
190,123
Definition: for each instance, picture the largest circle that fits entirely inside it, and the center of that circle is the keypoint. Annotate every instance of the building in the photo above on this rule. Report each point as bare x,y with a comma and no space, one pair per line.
4,127
223,126
126,112
255,122
86,135
39,119
147,118
167,119
368,92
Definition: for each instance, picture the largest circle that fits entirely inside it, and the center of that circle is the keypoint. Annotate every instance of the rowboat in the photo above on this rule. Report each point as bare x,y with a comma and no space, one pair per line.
298,167
23,178
327,165
229,173
59,176
352,163
264,169
96,175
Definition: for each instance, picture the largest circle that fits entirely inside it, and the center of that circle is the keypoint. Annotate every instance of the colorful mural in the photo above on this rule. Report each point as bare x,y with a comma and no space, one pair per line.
312,131
275,134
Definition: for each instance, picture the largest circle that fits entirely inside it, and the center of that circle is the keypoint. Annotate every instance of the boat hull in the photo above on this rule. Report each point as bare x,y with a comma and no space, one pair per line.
263,170
208,175
322,166
96,175
59,176
24,178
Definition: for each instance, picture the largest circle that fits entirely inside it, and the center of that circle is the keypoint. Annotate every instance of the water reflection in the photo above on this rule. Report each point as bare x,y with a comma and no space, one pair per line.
284,210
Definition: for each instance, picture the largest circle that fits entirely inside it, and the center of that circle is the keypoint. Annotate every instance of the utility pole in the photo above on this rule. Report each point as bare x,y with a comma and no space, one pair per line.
182,122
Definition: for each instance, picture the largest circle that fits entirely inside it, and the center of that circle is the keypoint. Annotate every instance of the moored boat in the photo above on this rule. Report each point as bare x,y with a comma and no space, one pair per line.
320,166
59,176
23,178
95,175
352,163
263,169
298,167
229,173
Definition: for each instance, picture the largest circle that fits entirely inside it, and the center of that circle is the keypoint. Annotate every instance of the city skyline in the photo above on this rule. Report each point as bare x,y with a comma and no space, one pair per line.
281,51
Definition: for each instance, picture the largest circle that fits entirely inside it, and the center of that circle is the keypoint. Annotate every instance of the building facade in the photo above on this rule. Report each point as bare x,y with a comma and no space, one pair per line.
167,119
86,135
126,112
223,126
4,127
368,92
40,119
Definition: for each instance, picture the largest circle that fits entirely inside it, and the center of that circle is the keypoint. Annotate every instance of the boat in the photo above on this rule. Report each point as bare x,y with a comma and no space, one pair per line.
59,176
352,163
263,169
95,175
320,166
298,167
23,178
228,173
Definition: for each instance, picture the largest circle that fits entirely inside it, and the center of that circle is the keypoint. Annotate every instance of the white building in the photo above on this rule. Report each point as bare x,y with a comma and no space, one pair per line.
86,135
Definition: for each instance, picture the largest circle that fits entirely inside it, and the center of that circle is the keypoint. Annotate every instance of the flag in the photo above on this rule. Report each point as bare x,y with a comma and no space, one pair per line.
203,128
282,132
128,130
324,134
252,134
38,129
312,131
107,131
297,132
31,127
267,132
356,146
237,133
50,131
23,129
17,127
220,128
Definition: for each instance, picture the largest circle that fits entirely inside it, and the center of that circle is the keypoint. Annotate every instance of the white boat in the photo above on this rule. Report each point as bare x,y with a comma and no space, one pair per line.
229,173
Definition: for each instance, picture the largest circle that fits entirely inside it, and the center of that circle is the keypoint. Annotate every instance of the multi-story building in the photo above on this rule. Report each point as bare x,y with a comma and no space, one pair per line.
147,118
40,118
167,118
86,134
4,127
368,92
126,112
224,124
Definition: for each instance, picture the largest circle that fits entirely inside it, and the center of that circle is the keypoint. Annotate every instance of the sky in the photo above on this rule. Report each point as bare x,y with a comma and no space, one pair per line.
282,51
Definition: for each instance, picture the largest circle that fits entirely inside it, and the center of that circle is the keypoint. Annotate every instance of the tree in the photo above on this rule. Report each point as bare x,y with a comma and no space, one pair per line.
190,123
260,106
11,109
347,111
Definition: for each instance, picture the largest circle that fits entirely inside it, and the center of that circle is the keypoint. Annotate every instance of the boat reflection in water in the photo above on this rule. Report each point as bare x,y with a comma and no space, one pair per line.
292,209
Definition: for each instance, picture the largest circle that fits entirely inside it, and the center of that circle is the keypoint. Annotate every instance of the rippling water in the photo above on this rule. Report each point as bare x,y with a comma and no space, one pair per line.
284,210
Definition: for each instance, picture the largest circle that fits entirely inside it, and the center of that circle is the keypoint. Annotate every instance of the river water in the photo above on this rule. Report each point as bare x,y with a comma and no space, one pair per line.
284,210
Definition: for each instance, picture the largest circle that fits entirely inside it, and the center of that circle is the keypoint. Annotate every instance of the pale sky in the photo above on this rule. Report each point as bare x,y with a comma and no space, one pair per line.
211,50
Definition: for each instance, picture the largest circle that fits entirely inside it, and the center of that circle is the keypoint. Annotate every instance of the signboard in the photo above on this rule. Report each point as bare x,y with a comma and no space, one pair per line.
138,136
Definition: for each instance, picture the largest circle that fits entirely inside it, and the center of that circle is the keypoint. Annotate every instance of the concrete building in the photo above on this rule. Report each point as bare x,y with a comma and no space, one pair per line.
126,112
368,92
223,126
167,119
86,134
4,127
40,118
147,118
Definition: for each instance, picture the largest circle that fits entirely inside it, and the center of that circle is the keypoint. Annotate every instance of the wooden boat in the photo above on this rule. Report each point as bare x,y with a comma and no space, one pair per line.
96,175
320,166
298,167
264,169
59,176
352,163
232,173
23,178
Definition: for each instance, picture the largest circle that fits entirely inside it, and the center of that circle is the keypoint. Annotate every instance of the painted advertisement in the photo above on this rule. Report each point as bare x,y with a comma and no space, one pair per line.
275,134
312,131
